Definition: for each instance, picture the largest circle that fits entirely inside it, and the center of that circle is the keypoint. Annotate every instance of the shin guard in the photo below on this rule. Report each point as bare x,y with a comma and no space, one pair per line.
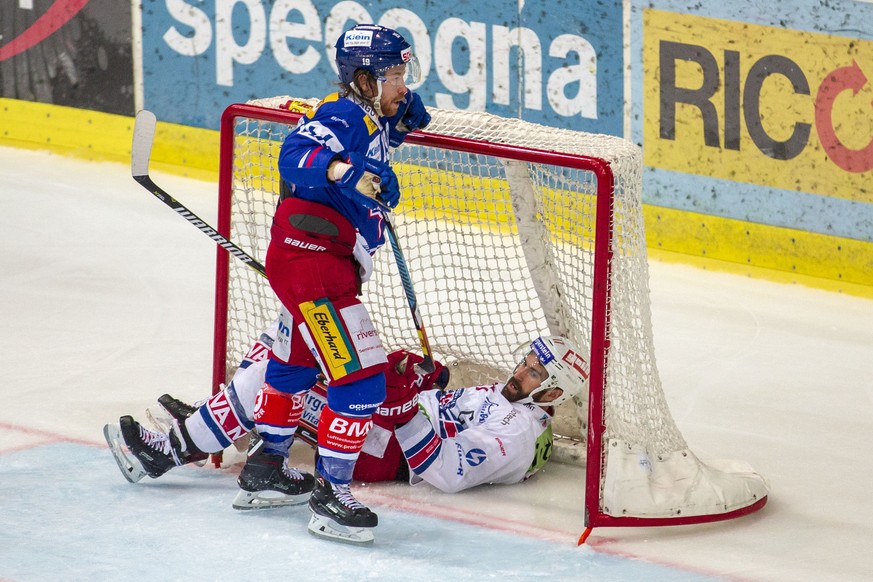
277,415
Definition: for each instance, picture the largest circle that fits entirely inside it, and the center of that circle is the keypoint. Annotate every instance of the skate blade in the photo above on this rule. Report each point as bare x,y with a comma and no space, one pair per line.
248,500
129,466
324,527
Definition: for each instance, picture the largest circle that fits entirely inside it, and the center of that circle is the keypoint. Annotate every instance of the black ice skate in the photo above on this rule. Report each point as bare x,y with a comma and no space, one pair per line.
140,451
337,515
176,408
266,482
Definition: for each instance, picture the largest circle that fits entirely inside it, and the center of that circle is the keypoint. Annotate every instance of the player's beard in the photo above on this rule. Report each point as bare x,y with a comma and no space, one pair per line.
389,108
512,390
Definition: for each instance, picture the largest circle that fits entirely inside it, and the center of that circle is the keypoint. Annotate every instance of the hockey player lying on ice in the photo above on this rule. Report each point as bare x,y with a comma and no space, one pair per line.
503,431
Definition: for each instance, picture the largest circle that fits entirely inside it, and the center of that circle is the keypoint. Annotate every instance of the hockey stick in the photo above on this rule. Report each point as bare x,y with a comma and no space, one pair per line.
141,152
427,365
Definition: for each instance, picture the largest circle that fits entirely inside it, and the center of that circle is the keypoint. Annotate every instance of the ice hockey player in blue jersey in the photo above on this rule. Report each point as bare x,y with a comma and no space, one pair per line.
328,224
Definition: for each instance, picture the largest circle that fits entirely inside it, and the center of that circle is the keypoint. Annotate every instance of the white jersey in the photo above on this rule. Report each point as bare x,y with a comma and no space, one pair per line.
467,437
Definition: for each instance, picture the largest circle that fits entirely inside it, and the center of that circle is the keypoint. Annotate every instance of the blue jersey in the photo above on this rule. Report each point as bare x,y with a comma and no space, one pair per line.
337,127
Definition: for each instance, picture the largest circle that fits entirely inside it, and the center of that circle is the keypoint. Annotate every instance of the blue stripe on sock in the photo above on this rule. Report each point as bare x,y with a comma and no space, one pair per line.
216,430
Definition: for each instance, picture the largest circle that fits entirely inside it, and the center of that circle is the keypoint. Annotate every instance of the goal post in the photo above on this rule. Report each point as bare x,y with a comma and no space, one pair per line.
511,230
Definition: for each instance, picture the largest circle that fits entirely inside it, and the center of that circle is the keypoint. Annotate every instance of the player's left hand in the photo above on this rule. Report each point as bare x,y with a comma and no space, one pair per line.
416,116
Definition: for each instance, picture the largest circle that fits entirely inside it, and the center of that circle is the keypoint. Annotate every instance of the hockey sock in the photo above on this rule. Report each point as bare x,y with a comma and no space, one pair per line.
340,438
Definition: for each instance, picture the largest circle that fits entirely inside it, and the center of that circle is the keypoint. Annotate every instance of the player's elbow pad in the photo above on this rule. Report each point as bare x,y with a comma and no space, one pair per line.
307,168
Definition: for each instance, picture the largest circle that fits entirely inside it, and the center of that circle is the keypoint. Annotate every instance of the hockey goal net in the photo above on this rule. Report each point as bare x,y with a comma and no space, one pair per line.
511,230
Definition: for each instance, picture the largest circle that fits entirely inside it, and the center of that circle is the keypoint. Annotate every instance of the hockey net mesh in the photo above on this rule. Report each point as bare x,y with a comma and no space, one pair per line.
466,251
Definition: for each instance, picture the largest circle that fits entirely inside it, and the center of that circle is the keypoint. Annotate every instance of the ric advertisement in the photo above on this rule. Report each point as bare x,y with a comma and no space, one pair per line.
555,62
780,119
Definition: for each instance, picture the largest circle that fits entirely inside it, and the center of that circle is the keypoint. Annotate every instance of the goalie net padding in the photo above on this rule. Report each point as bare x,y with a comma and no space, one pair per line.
500,227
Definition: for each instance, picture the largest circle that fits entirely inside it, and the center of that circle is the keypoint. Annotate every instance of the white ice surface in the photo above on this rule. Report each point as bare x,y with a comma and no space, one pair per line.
106,303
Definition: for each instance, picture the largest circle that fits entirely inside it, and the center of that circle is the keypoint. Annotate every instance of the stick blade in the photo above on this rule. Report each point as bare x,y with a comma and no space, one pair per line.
143,137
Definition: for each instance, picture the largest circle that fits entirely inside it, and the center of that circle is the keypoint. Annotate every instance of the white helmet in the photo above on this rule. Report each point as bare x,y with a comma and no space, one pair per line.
568,368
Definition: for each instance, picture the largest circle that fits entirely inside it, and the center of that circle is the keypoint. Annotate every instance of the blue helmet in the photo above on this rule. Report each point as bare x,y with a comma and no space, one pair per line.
374,48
